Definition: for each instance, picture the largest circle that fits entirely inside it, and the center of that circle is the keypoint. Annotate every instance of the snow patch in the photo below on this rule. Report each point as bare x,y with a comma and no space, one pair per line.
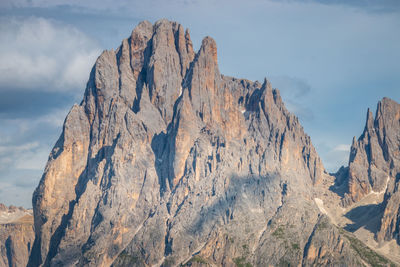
180,91
9,217
320,205
384,189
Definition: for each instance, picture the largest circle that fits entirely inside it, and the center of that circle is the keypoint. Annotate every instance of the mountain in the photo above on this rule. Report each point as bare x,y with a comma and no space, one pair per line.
167,162
374,161
374,172
16,235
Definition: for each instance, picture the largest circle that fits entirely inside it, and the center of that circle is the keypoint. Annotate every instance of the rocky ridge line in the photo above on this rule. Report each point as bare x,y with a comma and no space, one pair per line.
168,162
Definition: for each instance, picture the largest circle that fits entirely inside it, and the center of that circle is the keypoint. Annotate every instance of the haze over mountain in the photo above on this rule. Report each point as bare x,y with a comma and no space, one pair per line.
166,162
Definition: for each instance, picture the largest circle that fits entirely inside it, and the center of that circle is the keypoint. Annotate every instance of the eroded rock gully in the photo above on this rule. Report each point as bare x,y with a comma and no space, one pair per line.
166,162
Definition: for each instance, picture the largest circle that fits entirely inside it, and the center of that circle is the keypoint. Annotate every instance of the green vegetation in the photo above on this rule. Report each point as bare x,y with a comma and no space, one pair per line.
322,225
127,259
295,246
231,240
283,263
367,254
198,259
241,262
279,232
170,261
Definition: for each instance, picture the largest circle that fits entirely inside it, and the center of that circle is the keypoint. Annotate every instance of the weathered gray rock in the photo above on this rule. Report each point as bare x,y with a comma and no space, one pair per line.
332,246
374,167
374,158
16,236
327,247
388,123
168,162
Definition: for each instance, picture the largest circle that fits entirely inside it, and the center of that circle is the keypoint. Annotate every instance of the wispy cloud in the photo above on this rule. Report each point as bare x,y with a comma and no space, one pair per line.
26,156
379,6
294,86
25,144
41,54
20,194
294,92
333,155
44,69
342,147
367,5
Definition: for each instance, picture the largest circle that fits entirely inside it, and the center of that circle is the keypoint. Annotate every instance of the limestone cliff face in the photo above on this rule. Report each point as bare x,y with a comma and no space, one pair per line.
167,162
374,158
16,236
328,247
374,166
389,123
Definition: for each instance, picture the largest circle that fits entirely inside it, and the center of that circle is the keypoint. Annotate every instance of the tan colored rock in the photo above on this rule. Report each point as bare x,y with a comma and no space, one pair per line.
374,157
166,159
327,247
16,236
374,168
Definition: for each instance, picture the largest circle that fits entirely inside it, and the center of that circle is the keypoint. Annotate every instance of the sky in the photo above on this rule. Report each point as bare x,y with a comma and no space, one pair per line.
331,61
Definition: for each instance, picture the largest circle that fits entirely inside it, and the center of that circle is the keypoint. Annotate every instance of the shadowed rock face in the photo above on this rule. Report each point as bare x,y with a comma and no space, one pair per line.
374,166
168,162
16,236
374,158
389,114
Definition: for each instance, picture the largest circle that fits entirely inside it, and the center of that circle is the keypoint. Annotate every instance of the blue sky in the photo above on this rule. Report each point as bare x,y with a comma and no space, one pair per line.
331,60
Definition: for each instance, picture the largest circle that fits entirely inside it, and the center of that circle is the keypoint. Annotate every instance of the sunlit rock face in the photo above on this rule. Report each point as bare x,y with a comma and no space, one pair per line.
375,157
16,235
374,168
166,161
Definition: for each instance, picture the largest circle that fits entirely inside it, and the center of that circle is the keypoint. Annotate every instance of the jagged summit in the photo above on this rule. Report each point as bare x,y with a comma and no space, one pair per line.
371,181
167,162
374,157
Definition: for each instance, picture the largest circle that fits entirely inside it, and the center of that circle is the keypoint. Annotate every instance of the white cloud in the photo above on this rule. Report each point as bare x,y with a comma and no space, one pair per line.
27,156
34,159
342,147
43,54
20,148
55,118
25,144
12,194
333,155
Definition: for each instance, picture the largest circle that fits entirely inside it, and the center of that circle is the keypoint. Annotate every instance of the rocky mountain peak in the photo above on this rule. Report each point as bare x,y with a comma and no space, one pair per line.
369,125
374,157
166,162
209,48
